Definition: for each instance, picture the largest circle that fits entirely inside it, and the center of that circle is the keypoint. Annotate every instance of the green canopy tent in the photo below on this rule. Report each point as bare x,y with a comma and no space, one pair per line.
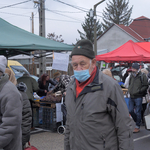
14,41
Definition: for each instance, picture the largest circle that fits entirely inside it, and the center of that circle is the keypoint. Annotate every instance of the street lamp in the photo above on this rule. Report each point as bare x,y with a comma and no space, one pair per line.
95,35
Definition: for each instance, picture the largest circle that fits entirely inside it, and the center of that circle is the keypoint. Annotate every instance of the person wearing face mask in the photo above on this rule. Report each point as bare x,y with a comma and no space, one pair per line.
97,115
136,89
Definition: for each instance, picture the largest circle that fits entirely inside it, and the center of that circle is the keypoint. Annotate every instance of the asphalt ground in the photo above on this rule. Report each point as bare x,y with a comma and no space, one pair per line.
47,140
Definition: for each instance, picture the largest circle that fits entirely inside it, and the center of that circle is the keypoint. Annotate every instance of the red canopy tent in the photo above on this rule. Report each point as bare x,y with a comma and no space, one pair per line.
129,52
145,45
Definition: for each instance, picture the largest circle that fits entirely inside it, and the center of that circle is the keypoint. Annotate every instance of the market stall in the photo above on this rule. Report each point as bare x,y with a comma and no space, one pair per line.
127,53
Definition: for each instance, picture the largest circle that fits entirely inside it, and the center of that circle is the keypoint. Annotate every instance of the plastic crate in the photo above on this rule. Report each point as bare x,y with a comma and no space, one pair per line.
49,119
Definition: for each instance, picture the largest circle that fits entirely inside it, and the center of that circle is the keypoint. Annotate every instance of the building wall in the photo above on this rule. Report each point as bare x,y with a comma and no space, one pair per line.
113,39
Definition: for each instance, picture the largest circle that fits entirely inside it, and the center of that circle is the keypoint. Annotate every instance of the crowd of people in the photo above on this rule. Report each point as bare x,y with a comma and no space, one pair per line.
16,104
97,116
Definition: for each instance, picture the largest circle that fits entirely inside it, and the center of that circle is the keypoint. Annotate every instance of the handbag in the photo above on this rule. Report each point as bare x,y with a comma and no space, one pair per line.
147,117
30,147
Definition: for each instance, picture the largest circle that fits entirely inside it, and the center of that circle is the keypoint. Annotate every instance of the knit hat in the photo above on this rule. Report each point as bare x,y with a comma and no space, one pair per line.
84,47
3,63
56,74
136,66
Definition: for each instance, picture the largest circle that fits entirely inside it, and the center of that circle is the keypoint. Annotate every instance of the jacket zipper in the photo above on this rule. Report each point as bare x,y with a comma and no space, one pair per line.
103,142
82,106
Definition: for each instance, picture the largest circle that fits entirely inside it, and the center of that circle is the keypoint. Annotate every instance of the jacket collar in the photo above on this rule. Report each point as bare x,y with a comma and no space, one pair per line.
97,84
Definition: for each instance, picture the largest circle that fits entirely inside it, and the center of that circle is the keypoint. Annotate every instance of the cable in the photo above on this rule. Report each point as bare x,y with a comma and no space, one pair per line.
38,17
14,14
22,7
14,4
67,11
76,7
61,14
51,10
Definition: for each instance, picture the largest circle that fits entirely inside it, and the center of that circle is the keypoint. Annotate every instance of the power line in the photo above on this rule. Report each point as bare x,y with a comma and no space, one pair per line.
62,14
66,11
15,4
51,10
38,17
14,14
22,7
76,7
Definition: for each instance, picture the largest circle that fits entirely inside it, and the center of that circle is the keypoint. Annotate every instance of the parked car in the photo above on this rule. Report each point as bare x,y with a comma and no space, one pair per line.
18,69
118,71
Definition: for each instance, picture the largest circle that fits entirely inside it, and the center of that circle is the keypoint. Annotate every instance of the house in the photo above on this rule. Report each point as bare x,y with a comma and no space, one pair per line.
116,35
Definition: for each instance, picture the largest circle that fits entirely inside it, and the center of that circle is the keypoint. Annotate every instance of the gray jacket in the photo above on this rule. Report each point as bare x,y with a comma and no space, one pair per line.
10,115
98,119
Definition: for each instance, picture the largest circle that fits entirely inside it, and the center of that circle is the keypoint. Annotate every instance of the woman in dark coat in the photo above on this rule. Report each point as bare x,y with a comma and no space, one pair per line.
45,84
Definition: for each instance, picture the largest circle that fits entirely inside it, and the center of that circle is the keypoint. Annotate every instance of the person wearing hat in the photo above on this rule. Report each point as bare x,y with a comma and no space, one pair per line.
138,84
10,111
32,86
97,115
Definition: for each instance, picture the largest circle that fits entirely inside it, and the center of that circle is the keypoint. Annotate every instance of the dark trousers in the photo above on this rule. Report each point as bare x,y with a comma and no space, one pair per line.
135,107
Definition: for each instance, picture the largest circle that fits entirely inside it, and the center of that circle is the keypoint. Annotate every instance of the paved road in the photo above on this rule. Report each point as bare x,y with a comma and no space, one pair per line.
54,141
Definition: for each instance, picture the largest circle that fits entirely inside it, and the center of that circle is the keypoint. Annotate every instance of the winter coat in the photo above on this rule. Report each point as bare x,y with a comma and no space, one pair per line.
136,87
32,85
98,118
49,84
26,114
62,84
10,115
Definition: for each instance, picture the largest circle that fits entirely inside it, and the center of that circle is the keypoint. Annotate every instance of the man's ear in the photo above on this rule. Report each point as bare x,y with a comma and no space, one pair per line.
94,62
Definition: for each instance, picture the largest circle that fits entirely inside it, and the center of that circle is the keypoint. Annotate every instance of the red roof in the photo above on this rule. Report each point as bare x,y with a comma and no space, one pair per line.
141,26
131,32
128,52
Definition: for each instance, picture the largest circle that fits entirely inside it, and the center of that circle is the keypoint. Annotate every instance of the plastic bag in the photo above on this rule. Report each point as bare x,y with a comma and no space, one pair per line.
147,117
30,147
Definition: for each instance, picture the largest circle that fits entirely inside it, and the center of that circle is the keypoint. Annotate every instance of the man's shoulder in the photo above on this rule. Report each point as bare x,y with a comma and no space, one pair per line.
9,87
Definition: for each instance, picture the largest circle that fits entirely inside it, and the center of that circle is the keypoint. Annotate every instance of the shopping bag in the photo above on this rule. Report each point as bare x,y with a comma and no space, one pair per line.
147,117
30,147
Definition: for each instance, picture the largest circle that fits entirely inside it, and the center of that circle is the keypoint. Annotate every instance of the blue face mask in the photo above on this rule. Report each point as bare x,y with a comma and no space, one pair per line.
82,75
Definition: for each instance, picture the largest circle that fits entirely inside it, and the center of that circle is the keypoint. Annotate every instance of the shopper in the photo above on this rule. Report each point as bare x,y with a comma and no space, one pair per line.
10,112
45,84
145,99
26,114
97,115
138,84
32,86
11,76
26,109
107,72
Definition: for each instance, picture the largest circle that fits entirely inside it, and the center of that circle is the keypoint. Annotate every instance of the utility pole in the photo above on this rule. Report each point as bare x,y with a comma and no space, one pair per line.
95,35
32,22
42,59
33,68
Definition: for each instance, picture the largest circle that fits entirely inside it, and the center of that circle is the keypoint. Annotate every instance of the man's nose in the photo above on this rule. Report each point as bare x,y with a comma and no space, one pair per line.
79,67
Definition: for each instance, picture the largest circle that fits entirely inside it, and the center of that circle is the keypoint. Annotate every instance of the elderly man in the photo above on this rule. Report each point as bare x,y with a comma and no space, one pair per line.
10,112
138,84
97,115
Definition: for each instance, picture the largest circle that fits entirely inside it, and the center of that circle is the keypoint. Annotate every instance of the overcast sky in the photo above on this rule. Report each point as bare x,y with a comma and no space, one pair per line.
67,21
